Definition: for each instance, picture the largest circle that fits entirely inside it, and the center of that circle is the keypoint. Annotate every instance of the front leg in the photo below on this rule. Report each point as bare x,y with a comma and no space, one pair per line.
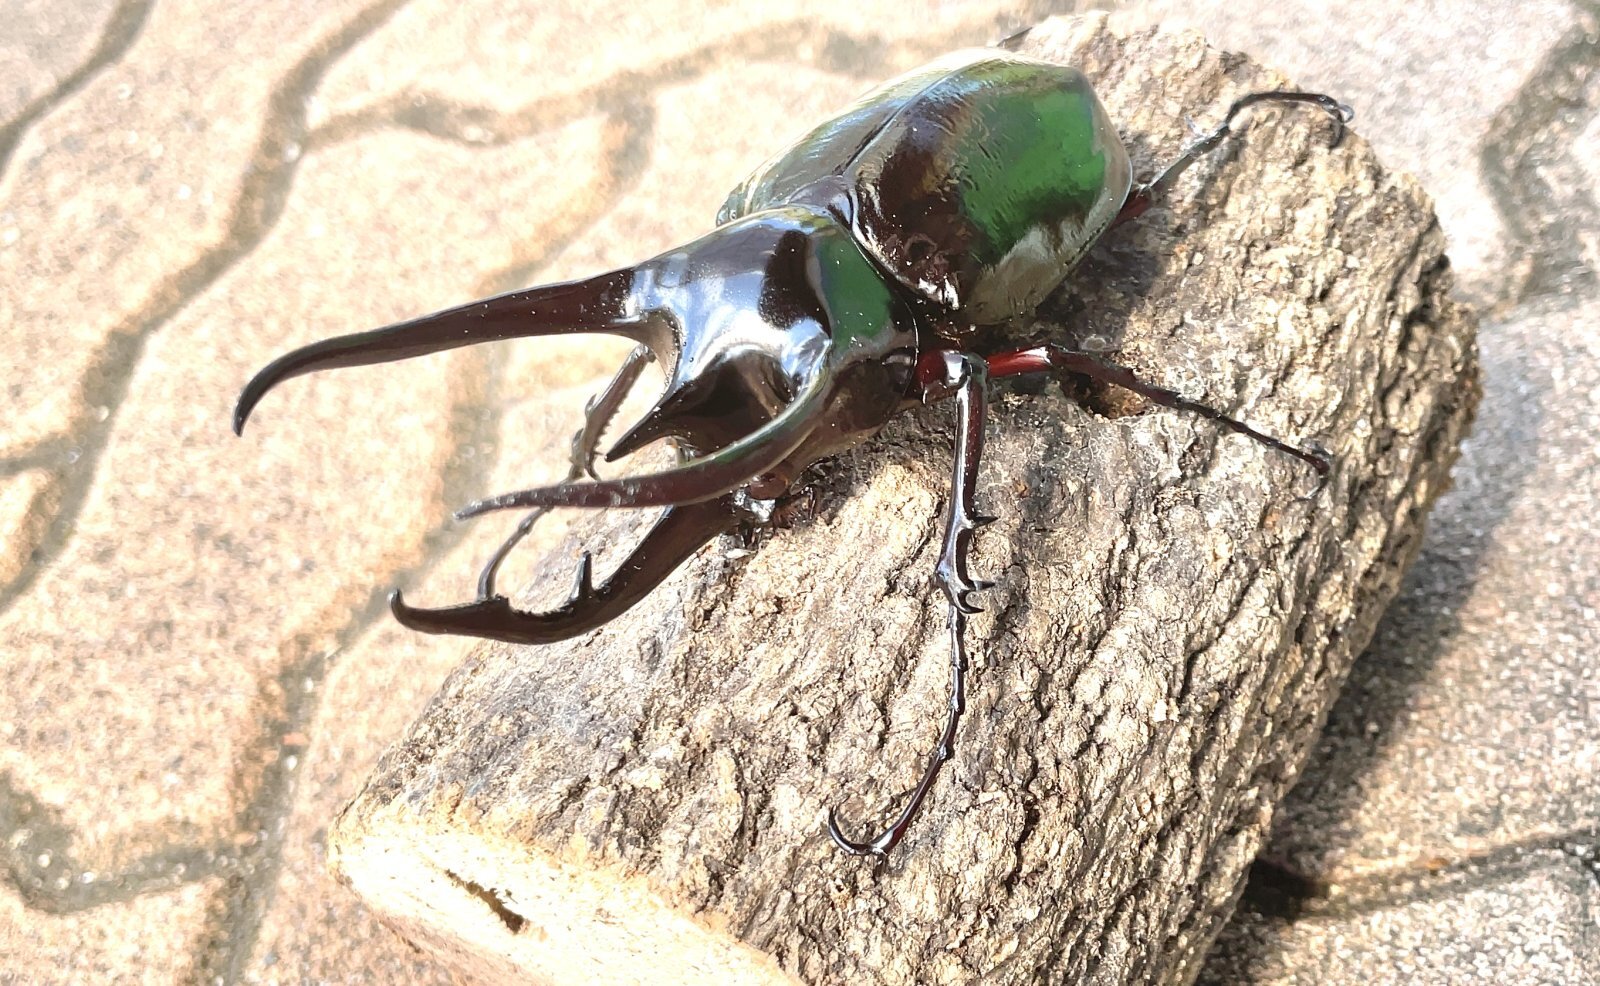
597,413
945,373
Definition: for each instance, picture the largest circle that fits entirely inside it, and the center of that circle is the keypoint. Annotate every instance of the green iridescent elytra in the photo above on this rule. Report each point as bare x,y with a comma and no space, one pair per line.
978,180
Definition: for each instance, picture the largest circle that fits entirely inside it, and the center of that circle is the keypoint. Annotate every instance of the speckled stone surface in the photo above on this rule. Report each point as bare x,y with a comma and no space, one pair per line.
198,669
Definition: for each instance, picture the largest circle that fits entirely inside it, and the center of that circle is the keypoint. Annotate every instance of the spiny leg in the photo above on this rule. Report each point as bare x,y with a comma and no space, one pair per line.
1043,359
597,413
1149,193
945,373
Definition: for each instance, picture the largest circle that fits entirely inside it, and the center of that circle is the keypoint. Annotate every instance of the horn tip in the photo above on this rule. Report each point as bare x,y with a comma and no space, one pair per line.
241,414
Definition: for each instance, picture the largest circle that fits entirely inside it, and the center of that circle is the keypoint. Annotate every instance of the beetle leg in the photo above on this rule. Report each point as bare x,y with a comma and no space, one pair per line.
1013,41
1149,193
794,509
966,377
1057,359
597,413
676,535
602,407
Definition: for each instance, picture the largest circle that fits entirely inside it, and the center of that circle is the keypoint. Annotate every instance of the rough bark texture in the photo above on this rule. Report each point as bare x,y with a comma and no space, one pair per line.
1176,610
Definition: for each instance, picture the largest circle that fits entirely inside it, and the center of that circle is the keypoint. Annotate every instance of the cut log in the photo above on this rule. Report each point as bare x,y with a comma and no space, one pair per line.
1176,609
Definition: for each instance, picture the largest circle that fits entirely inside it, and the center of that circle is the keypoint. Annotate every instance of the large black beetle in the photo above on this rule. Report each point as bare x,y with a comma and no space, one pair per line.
849,277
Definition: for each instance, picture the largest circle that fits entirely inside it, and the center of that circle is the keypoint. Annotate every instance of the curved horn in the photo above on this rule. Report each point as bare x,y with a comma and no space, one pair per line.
699,479
677,535
599,304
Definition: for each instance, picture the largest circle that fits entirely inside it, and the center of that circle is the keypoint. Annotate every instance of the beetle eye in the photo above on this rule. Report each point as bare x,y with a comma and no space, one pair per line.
918,249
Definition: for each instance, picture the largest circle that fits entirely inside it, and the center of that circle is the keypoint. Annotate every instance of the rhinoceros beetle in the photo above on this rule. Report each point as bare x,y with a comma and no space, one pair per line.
850,277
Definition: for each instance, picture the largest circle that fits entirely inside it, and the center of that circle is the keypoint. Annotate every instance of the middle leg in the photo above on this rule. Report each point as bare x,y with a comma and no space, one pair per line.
945,373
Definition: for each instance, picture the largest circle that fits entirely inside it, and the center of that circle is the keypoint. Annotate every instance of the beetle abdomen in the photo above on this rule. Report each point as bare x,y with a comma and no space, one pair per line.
978,180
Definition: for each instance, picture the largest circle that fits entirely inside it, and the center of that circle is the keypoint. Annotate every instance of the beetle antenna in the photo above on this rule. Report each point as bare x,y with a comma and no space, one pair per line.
966,377
1149,193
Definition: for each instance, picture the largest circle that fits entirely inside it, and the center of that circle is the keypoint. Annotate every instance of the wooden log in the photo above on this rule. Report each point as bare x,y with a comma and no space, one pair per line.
1176,610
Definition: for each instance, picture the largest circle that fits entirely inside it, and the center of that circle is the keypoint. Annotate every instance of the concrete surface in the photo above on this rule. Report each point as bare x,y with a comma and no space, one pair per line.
192,685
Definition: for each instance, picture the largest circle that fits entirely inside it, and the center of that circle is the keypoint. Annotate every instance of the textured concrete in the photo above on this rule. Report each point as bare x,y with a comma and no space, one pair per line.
192,682
1534,922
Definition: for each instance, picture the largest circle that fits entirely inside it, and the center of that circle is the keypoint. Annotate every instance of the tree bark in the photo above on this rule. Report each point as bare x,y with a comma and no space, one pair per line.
1176,608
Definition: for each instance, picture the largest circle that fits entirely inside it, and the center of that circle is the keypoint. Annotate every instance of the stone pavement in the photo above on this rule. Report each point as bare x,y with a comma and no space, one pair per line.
198,670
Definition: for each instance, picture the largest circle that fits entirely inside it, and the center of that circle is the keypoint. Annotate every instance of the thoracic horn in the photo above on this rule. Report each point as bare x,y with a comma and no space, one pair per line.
596,305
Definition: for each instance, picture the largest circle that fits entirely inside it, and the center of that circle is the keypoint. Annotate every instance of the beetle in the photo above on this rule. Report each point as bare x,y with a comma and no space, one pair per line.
850,277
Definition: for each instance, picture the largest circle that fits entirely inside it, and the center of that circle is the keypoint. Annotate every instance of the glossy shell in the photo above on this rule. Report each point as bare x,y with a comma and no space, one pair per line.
759,310
978,180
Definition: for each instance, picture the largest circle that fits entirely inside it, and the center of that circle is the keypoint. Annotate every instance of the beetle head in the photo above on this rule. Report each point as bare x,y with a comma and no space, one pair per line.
775,327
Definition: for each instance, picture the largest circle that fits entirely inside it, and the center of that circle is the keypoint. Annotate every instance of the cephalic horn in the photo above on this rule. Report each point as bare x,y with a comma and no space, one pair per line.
595,305
676,536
